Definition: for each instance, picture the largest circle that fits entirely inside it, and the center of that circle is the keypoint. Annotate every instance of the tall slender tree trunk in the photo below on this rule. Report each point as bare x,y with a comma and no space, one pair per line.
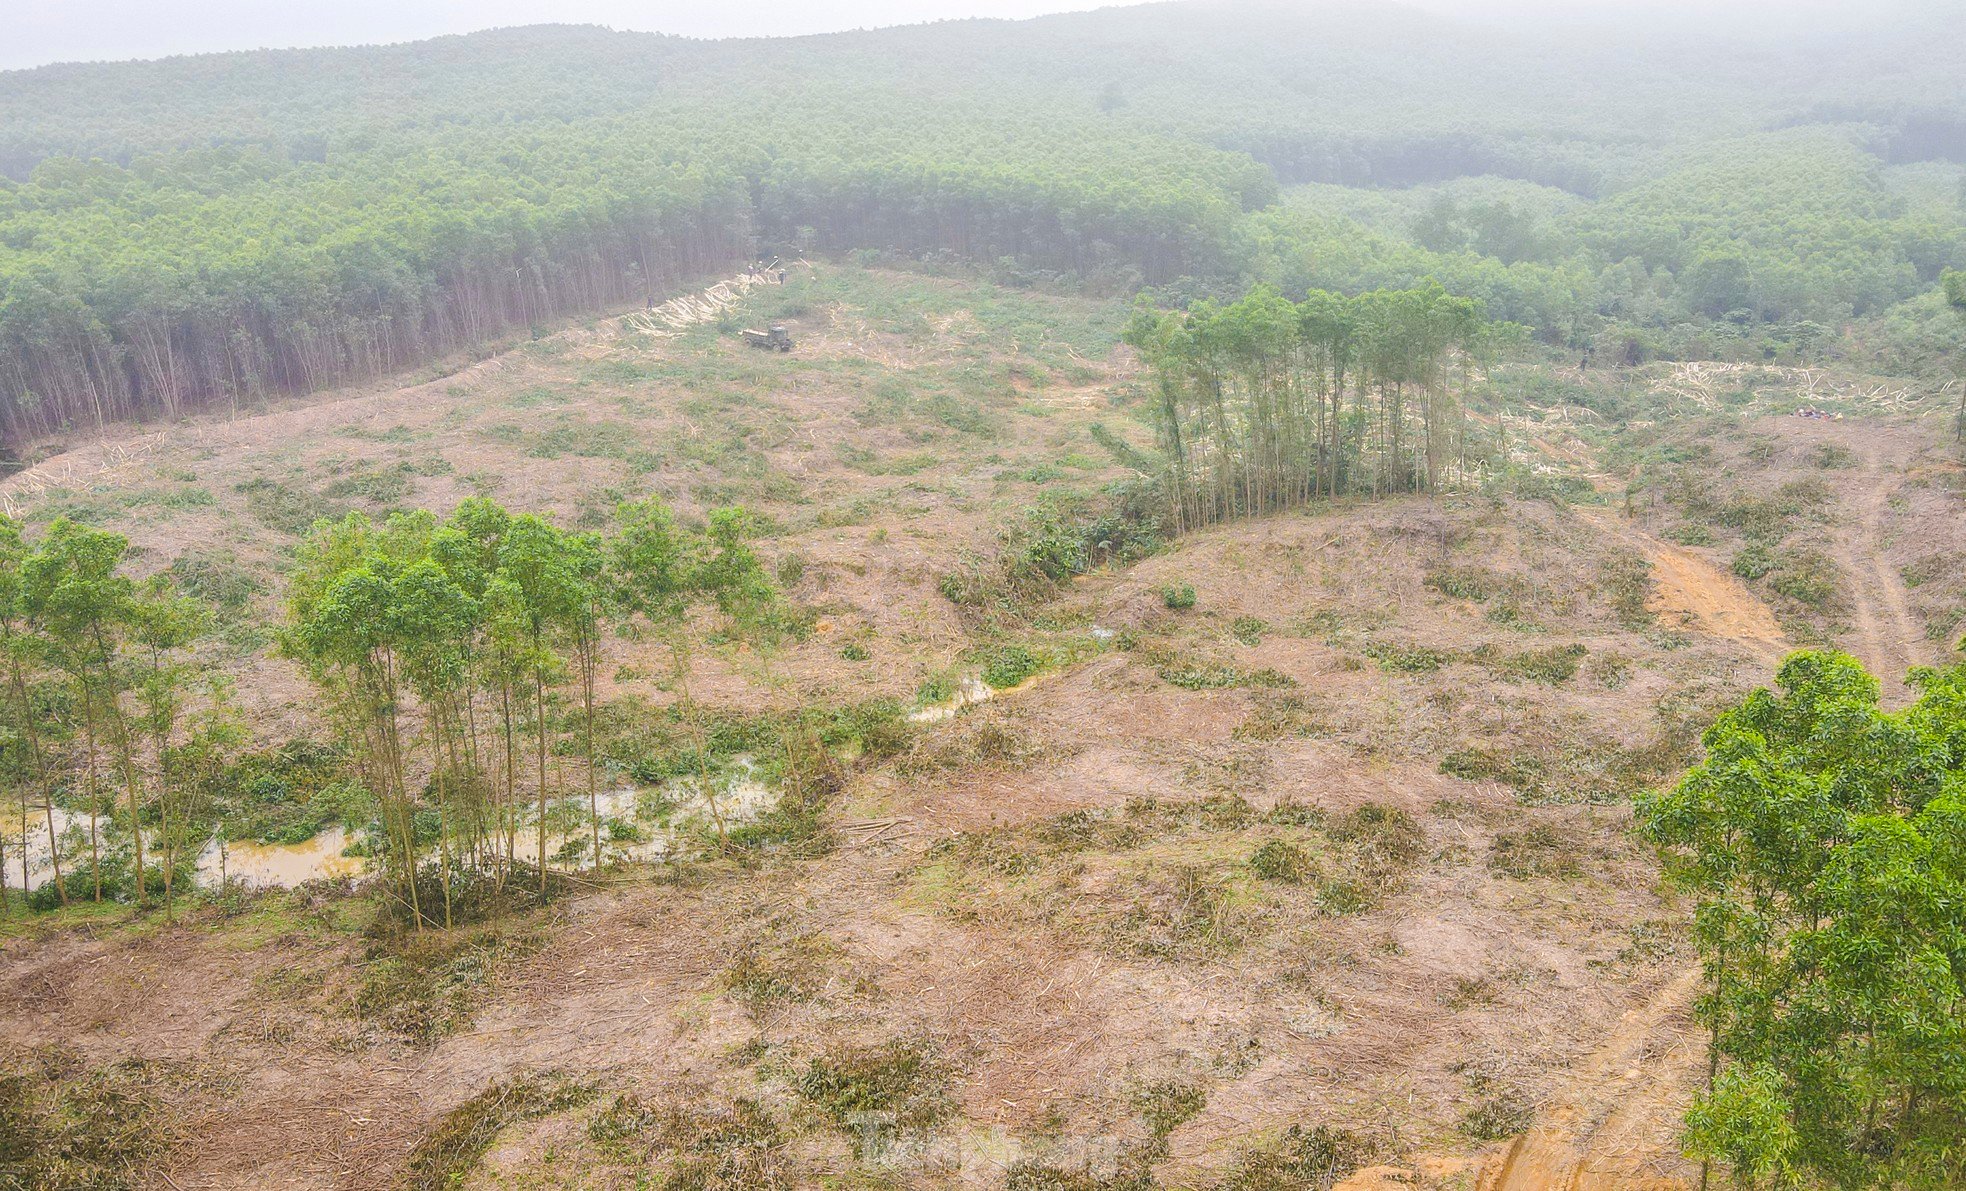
95,801
126,762
539,725
510,826
442,784
587,665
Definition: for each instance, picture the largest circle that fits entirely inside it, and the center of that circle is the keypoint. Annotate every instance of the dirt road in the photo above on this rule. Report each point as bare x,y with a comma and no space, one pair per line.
1615,1128
1885,634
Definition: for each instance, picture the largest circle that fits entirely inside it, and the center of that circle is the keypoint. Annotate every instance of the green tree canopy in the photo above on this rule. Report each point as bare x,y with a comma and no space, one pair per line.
1825,840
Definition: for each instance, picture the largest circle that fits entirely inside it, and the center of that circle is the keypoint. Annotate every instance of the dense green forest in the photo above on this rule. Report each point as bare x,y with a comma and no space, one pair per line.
204,231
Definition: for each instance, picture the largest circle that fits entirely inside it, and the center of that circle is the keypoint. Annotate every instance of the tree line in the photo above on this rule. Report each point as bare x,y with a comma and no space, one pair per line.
440,649
209,278
1264,403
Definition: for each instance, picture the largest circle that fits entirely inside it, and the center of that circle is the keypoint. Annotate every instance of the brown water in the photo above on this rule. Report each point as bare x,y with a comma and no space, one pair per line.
40,868
737,797
280,866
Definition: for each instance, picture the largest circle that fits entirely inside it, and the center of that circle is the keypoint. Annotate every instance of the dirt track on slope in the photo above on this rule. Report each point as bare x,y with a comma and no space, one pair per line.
1615,1129
1690,593
1885,635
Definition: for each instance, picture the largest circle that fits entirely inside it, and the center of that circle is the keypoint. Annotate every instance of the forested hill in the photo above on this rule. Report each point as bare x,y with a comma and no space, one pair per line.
1251,74
209,229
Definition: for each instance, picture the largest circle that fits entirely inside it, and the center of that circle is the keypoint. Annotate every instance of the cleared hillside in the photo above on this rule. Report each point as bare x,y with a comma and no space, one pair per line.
1298,846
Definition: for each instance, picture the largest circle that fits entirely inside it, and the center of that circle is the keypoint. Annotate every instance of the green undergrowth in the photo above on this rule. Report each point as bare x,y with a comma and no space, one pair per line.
1198,671
1183,880
900,1086
446,1155
699,1143
65,1126
426,986
1554,666
1056,540
1572,770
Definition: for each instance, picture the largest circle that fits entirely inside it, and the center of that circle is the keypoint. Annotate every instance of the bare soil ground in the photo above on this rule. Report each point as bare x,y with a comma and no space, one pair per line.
1859,518
1427,714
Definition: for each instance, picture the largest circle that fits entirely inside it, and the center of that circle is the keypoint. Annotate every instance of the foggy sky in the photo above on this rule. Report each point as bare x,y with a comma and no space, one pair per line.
42,31
34,32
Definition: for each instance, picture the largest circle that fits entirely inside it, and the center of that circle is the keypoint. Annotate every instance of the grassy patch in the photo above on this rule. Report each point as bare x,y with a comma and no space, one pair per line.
1187,880
1301,1160
1537,851
1566,771
1206,674
1474,583
284,508
446,1155
1497,1115
1281,715
781,972
712,1146
430,985
1625,578
1248,630
215,578
979,744
1555,665
1281,860
1167,1104
1407,659
1184,912
1007,665
900,1084
65,1128
1808,577
1753,560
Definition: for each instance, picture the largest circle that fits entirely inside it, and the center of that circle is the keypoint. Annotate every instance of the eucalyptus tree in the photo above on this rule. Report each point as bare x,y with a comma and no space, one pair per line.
533,561
662,572
468,547
730,571
582,618
656,567
505,663
432,620
346,630
199,766
87,606
22,650
162,625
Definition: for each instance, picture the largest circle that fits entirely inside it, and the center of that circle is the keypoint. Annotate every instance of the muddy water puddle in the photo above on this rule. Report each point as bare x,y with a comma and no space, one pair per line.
280,866
650,824
38,856
637,824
